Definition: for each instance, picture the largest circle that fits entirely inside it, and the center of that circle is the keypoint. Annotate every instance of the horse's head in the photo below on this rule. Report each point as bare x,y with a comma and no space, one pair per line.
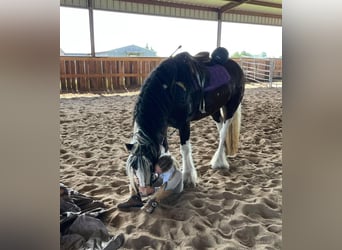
140,163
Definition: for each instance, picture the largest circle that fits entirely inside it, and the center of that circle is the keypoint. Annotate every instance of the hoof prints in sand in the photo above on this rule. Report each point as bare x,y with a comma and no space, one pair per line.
239,208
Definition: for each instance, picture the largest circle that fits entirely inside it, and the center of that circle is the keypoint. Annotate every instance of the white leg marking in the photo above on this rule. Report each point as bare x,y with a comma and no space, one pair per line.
189,171
219,126
219,159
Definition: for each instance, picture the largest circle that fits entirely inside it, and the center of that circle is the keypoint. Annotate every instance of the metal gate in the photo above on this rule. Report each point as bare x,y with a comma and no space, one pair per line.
261,70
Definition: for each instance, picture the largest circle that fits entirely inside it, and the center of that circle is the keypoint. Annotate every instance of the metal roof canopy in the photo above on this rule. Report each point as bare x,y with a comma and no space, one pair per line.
264,12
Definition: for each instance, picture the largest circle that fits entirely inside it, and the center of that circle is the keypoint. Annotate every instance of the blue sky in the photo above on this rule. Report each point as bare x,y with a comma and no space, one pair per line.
163,34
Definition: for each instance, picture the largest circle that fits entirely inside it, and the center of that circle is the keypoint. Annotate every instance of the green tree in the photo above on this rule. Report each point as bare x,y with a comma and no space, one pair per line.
236,55
244,53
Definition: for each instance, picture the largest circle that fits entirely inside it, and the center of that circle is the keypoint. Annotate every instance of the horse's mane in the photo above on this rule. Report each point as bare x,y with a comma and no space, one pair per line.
154,101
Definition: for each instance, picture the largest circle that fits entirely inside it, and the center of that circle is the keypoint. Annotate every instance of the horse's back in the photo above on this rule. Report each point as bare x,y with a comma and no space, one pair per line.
235,70
218,89
228,94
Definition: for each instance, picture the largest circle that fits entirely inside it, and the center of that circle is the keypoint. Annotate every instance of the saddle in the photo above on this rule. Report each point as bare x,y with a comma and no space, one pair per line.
202,57
207,73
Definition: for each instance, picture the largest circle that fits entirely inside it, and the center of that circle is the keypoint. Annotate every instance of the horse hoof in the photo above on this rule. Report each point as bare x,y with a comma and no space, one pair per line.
215,167
189,185
190,179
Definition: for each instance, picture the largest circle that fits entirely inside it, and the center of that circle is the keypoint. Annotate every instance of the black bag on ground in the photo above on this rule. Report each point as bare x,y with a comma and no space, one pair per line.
80,226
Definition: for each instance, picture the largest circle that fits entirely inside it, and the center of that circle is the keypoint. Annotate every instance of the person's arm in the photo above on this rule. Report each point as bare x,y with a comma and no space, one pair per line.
156,198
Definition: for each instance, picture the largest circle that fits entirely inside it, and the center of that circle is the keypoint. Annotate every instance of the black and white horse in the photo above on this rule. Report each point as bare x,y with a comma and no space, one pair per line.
180,90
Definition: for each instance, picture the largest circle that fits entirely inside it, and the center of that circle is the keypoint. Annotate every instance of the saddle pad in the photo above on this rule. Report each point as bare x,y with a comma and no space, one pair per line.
218,76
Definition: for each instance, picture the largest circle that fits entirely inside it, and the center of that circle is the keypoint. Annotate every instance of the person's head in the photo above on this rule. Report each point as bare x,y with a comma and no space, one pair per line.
164,163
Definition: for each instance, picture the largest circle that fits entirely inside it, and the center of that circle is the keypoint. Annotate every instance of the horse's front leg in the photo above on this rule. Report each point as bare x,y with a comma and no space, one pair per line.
189,171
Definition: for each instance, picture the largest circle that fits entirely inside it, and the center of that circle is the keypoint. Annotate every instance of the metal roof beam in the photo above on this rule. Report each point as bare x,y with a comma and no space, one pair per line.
250,13
265,4
231,5
174,5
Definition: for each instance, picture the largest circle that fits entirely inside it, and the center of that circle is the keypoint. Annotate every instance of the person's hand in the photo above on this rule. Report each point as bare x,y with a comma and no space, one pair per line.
145,191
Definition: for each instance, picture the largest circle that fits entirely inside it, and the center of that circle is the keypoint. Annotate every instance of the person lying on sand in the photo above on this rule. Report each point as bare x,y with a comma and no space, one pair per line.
172,182
168,184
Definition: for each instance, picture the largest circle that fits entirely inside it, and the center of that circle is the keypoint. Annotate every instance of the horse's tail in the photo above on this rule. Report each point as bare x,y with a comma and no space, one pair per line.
232,139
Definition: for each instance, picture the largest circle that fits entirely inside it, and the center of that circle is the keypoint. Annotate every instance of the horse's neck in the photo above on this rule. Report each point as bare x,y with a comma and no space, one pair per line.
146,137
154,104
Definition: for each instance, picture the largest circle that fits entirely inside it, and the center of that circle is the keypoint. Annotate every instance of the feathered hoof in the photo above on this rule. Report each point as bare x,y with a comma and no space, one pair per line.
219,161
190,179
219,166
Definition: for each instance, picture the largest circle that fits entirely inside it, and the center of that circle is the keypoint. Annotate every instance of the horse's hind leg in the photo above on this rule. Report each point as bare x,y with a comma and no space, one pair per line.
219,159
189,171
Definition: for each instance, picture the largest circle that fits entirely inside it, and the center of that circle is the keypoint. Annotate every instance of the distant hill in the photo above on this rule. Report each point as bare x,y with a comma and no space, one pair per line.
130,50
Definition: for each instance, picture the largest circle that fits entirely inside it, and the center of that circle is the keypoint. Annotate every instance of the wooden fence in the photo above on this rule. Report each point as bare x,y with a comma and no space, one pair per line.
117,74
114,74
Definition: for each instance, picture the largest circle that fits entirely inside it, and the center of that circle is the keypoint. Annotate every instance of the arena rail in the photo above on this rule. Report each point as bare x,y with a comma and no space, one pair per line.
262,69
104,74
118,74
